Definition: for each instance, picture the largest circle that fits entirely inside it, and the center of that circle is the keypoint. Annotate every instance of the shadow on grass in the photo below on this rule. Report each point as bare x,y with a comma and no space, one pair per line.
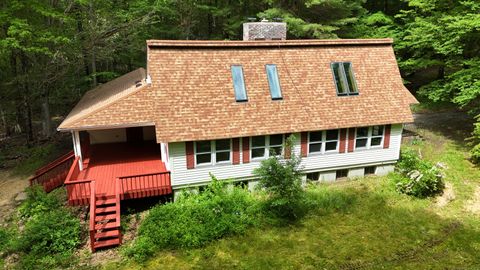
455,125
349,228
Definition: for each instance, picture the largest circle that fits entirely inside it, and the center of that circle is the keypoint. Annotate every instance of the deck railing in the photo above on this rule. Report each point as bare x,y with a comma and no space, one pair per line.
93,207
78,191
145,185
53,175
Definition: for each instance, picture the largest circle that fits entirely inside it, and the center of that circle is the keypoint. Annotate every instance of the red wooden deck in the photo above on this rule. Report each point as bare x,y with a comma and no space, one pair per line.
111,161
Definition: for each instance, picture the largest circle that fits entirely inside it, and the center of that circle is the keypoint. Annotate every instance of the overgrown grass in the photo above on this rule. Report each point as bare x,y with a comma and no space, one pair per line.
49,233
361,224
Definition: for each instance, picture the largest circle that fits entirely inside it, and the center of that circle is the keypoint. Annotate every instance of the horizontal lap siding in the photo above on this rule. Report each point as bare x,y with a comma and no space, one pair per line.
181,176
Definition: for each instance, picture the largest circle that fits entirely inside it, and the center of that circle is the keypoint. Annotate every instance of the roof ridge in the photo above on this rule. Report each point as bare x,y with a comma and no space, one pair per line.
268,43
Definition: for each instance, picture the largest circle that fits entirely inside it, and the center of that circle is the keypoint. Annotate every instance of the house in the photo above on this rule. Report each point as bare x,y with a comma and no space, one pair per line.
221,107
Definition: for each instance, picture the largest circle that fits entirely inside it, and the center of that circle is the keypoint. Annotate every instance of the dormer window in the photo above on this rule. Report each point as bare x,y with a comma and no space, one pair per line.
344,79
239,83
273,82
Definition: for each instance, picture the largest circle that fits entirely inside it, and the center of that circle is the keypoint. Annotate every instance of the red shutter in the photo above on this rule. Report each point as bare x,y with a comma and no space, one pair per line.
236,151
246,149
386,139
288,151
190,155
304,143
343,140
351,139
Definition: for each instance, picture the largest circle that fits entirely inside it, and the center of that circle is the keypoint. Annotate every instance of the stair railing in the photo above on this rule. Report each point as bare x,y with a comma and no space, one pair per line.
93,207
117,208
53,175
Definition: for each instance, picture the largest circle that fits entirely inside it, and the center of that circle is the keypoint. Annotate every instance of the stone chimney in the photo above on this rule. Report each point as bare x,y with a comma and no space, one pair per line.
265,30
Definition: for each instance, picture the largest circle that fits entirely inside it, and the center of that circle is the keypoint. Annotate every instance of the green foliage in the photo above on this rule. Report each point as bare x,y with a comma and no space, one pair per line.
417,177
51,232
282,180
196,219
38,202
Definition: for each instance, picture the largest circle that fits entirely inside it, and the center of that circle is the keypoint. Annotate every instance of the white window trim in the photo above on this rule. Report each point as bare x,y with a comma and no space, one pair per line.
267,146
369,139
213,155
324,142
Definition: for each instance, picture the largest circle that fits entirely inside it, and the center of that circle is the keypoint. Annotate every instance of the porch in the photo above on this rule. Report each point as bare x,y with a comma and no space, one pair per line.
131,170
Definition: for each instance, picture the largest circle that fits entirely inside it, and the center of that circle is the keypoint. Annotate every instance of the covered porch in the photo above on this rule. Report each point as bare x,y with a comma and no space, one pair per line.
130,168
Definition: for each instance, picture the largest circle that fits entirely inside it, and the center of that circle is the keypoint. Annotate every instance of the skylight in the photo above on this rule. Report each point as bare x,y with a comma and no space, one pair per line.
344,78
273,82
239,83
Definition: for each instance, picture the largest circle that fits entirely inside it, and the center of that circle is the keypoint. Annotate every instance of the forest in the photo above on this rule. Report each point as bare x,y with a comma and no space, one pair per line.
53,51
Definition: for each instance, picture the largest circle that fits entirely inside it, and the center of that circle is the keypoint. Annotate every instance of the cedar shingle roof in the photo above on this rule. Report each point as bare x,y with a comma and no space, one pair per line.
191,96
104,95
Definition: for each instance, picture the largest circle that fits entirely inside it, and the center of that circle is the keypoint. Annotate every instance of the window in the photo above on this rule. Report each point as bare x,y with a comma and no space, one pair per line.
344,78
263,146
273,82
212,152
203,152
323,141
222,150
315,176
239,83
341,174
369,137
370,170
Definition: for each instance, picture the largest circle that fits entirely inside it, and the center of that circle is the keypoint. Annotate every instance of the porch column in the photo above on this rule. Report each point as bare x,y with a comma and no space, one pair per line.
164,152
77,148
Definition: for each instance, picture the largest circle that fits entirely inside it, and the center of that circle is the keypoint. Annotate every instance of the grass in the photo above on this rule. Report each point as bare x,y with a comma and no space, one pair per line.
361,224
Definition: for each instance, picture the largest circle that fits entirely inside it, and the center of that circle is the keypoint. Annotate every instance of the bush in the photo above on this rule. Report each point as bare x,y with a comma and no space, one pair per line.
39,202
475,152
282,180
417,177
195,219
51,231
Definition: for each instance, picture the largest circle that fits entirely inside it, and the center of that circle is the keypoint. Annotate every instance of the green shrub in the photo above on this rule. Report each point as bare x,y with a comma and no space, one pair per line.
282,180
39,202
475,152
51,232
195,219
417,177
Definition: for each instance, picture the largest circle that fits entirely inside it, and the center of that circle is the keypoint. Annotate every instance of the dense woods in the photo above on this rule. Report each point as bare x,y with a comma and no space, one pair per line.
52,51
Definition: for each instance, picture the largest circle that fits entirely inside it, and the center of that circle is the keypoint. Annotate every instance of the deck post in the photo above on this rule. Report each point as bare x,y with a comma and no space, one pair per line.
77,148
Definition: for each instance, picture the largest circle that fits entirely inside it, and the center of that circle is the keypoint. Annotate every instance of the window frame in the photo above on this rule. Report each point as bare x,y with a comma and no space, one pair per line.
243,80
267,146
343,79
369,138
213,154
323,141
277,78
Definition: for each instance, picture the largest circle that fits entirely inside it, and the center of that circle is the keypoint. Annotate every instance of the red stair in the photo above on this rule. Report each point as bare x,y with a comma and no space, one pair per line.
104,220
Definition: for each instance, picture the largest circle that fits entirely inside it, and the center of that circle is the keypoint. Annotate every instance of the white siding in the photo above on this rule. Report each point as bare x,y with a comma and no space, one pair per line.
182,176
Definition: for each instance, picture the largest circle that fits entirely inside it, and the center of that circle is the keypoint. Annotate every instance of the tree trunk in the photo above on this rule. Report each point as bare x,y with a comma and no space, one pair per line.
47,120
4,122
94,68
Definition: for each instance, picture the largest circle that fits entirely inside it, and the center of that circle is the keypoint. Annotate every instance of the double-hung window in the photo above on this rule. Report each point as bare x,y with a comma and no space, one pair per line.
212,152
344,78
323,141
264,146
369,137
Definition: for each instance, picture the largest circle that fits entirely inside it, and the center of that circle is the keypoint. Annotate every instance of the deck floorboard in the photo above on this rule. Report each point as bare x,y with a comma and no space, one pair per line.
109,161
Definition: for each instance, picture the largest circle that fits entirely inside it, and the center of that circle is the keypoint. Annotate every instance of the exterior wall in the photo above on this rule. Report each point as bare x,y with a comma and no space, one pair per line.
329,176
384,170
108,136
356,172
326,163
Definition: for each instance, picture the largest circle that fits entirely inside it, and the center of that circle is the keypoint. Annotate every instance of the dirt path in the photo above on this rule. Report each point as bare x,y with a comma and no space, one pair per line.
10,186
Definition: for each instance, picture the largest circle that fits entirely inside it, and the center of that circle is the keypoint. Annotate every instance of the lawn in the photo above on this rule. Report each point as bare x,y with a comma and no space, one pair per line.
360,224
